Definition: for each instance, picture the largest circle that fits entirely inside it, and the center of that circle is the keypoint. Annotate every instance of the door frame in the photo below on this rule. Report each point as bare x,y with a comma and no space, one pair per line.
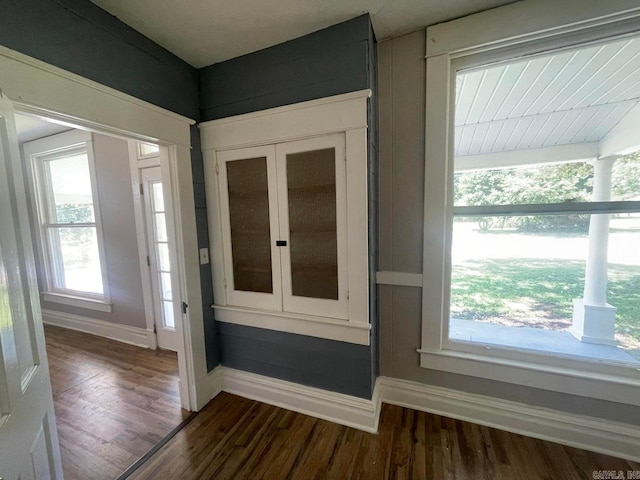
37,88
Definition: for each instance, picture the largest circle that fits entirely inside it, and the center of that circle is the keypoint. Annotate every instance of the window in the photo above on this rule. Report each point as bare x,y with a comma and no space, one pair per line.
532,205
68,220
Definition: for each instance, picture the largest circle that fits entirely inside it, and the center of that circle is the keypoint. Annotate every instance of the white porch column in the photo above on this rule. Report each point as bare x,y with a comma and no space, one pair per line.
593,318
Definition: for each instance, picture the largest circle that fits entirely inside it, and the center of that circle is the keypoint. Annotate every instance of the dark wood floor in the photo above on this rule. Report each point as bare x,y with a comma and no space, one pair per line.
236,438
113,401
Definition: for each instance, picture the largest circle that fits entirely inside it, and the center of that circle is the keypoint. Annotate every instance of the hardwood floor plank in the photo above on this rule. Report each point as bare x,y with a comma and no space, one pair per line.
236,438
113,401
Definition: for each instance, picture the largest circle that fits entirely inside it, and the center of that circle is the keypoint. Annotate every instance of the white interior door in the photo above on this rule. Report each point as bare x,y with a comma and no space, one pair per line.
28,439
159,261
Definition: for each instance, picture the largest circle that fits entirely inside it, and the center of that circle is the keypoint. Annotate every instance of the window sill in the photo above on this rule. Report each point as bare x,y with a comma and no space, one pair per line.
80,302
309,325
563,376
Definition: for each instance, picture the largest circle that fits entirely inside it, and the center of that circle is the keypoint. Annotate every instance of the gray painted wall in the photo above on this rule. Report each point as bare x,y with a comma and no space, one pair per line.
78,36
335,60
401,72
324,63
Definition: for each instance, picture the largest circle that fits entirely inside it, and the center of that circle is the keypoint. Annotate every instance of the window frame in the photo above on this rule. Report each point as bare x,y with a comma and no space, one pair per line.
479,40
36,153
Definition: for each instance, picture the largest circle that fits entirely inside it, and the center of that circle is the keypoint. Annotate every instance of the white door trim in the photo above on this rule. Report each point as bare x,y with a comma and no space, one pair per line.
51,92
138,213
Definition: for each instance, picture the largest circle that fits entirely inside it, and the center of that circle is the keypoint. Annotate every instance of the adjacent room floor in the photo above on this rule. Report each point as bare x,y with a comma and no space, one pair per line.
236,438
113,401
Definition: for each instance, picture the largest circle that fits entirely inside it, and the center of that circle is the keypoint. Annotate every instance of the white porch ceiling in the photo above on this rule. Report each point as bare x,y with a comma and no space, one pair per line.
203,32
571,97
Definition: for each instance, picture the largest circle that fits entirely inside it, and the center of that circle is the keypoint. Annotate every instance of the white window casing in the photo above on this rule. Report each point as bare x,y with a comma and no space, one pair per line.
513,31
36,153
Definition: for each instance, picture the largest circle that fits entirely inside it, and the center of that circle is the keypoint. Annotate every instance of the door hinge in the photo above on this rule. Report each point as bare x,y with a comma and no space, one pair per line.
155,328
217,169
148,261
347,294
184,307
225,283
141,189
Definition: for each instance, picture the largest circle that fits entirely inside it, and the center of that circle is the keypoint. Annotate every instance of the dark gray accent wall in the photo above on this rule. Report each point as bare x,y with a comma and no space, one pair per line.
372,192
336,366
327,62
332,61
78,36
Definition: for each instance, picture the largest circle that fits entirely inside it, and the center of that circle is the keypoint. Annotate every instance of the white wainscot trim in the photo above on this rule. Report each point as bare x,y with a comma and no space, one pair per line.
313,326
122,333
588,433
354,412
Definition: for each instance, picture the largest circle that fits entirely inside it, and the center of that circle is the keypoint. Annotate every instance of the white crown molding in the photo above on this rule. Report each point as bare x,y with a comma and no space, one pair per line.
588,433
122,333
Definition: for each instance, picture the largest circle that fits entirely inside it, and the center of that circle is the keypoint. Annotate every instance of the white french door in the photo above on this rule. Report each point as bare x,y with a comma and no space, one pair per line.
159,259
28,438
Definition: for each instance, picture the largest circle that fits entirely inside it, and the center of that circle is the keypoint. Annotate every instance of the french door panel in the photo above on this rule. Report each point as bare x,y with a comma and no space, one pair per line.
250,229
160,261
312,197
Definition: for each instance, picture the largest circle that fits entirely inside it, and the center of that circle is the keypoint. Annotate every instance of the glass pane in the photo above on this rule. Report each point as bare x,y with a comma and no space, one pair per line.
161,227
70,198
148,148
311,183
158,199
250,226
167,315
165,281
515,279
163,256
75,255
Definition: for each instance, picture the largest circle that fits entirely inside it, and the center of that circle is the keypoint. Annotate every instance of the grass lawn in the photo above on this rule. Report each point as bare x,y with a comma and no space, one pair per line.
540,293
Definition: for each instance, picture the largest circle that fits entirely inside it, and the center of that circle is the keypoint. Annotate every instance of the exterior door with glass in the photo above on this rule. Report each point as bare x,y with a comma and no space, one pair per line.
28,439
159,258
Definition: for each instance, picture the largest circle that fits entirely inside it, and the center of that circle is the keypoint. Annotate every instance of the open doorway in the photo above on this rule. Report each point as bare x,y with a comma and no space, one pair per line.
113,392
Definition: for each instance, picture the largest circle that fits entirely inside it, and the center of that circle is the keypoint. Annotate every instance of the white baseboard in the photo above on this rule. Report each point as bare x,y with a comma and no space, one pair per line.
209,387
346,410
588,433
122,333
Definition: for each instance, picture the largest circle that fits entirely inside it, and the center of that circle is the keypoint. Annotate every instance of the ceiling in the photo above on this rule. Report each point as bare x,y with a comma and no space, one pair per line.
574,97
203,32
30,128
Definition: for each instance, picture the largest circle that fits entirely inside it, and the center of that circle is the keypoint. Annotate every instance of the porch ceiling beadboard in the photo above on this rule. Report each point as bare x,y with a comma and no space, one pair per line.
572,96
